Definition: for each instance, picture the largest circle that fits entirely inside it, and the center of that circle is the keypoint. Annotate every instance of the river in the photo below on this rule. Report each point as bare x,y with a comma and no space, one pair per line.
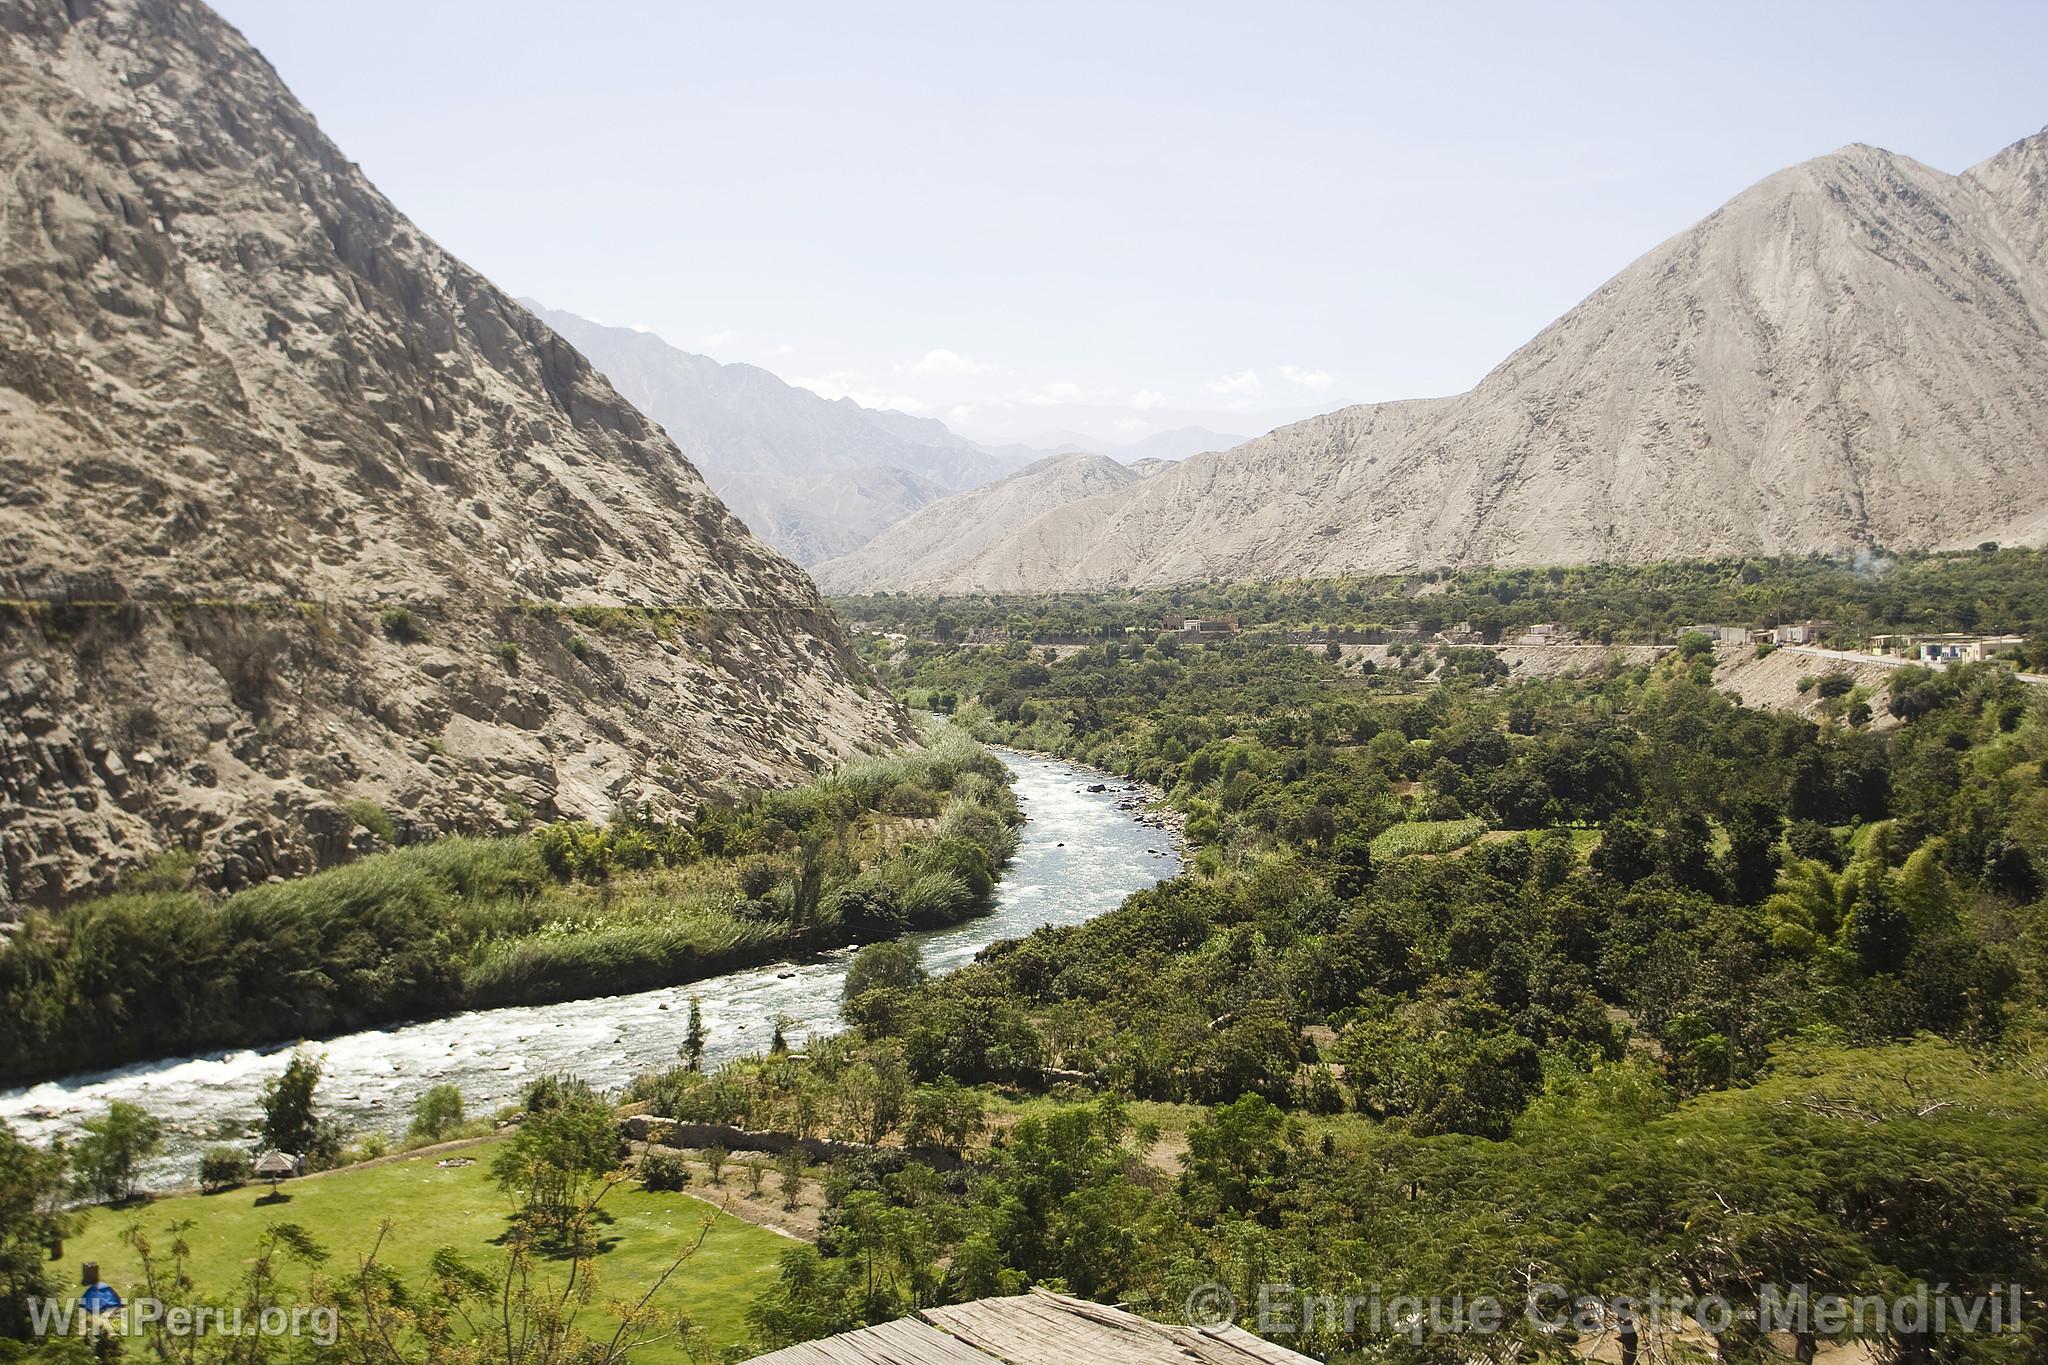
1080,853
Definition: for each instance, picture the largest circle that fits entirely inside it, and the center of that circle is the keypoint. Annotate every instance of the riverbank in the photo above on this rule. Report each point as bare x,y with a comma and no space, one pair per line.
1145,802
575,910
1077,856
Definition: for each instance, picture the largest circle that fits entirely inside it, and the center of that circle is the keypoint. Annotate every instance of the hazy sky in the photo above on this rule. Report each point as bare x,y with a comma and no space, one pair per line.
1115,217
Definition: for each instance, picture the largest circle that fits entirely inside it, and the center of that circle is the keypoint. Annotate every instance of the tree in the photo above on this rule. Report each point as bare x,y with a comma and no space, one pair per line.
693,1040
291,1122
1878,932
105,1160
1624,854
32,1224
1351,862
892,965
2010,872
223,1168
556,1166
791,1165
436,1113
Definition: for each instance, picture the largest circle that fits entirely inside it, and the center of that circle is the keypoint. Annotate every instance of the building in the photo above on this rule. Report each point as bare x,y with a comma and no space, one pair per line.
1948,648
1460,633
1207,627
1801,632
1038,1328
1545,633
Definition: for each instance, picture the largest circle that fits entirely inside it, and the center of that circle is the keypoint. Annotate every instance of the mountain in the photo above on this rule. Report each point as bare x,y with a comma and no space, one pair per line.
306,530
932,543
1853,352
812,476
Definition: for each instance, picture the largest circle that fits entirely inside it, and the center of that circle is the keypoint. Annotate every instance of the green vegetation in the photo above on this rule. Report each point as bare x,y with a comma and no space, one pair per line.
1425,836
374,818
2002,590
1719,998
106,1157
436,1115
573,910
401,626
457,1208
1472,981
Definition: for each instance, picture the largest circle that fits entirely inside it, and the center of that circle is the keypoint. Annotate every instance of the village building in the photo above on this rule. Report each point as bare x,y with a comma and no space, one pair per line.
1801,632
1947,648
1207,627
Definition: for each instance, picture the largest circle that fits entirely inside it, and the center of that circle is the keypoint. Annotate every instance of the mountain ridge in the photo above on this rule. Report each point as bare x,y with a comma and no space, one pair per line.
935,540
813,476
1848,353
301,517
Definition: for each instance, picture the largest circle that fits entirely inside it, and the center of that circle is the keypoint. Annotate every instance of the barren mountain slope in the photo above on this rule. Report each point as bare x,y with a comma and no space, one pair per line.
294,506
930,544
1852,352
811,476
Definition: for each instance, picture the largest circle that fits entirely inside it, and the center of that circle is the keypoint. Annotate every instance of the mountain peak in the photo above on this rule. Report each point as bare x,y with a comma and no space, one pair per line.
1847,353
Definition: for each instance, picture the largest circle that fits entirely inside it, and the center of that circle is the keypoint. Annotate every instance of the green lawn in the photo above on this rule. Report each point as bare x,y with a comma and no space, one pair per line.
431,1208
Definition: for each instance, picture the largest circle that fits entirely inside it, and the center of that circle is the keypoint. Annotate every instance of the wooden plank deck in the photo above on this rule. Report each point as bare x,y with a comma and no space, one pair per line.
1038,1328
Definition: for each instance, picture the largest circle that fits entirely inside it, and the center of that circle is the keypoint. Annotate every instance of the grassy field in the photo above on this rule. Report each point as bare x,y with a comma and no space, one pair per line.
1425,836
430,1208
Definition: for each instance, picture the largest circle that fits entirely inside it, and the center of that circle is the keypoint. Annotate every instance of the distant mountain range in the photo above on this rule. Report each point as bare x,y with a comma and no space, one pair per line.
817,477
1851,353
814,477
932,543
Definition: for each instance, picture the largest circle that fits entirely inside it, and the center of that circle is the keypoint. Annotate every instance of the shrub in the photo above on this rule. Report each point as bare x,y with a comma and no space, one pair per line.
170,870
757,874
508,654
223,1168
663,1171
436,1114
1806,682
1835,684
400,626
894,965
374,818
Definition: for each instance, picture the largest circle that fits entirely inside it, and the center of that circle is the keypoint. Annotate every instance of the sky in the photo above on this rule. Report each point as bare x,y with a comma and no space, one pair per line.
1115,219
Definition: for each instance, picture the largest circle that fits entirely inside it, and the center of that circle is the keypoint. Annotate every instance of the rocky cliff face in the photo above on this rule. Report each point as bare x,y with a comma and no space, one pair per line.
296,510
814,477
1853,352
931,544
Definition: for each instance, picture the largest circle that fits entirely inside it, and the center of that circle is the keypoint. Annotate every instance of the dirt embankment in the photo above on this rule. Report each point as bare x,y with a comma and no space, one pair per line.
1772,682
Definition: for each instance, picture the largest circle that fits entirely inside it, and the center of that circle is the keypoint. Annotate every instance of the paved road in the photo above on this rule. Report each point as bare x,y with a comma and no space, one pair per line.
1886,661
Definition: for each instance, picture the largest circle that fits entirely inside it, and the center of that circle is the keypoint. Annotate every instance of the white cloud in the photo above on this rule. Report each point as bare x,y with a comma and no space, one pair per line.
1144,400
1053,394
942,363
1245,383
785,348
846,384
711,341
1131,426
1316,380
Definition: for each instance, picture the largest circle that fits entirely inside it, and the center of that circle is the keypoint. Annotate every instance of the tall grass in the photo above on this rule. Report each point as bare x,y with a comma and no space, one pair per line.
463,922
